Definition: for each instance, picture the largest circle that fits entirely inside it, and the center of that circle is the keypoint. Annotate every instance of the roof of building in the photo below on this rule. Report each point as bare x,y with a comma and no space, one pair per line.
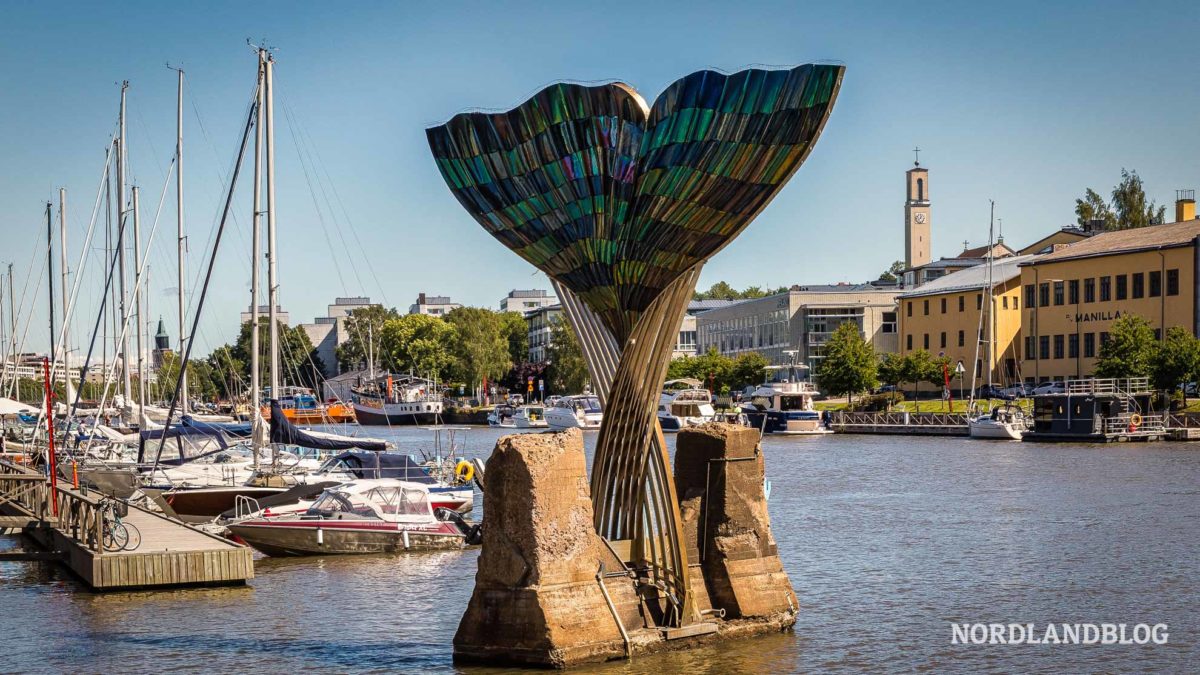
712,303
973,278
981,251
1169,235
1042,245
527,293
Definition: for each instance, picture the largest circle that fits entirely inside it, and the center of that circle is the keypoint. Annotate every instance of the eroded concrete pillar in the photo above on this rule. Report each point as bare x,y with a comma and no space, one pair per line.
719,473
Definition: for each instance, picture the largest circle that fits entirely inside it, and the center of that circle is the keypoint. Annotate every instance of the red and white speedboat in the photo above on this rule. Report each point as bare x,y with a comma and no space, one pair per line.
363,516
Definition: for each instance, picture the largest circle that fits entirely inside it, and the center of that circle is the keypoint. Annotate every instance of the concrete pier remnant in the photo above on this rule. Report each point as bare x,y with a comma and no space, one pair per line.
550,591
719,472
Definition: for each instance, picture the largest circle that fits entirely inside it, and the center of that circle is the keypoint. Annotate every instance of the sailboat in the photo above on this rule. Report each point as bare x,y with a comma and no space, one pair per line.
1006,422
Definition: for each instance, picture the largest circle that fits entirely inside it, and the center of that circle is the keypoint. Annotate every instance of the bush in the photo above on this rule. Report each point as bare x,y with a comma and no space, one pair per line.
877,402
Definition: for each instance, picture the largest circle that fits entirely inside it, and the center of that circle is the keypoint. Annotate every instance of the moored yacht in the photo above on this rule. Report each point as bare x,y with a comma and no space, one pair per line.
575,412
301,406
530,416
689,406
365,516
1004,422
784,408
389,400
502,416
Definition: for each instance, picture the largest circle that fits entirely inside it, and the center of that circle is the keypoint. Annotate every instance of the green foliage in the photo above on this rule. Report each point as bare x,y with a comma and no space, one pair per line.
517,333
567,371
299,364
721,374
200,379
850,364
723,291
749,369
892,273
418,343
480,347
1130,349
363,325
1128,209
1176,360
892,369
878,402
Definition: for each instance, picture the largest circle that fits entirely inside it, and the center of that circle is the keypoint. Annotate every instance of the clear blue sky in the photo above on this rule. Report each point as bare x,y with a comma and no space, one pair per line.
1024,103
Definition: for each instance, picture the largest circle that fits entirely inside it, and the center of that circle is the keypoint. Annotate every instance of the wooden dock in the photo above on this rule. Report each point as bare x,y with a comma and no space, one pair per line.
171,553
900,423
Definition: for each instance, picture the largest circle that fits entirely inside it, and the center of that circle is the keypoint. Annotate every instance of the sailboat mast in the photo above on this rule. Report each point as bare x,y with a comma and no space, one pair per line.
137,305
50,287
66,292
272,250
122,157
991,303
183,402
256,248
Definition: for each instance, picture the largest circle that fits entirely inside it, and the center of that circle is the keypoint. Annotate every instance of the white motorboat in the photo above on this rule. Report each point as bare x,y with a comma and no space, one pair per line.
502,416
687,407
365,516
575,412
1004,422
784,408
530,416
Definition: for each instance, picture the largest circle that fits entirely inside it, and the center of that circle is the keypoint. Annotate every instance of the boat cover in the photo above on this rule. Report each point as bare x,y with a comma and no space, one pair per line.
385,465
202,442
237,429
283,431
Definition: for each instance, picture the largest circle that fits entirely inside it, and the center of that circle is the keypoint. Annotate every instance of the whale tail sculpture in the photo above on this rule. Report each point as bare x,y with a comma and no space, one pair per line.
620,204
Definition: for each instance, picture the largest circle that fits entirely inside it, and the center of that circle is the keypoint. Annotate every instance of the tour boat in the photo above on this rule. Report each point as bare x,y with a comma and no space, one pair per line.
784,408
365,516
575,412
392,400
502,416
1004,422
301,406
530,416
681,408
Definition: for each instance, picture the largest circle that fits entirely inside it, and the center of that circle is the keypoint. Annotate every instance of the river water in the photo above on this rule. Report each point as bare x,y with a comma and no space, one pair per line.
888,540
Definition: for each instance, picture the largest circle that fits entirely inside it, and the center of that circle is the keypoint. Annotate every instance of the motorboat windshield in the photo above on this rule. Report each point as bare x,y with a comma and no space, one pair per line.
381,502
587,404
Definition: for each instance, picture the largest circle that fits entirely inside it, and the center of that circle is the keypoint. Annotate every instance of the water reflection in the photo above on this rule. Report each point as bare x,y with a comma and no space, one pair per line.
887,540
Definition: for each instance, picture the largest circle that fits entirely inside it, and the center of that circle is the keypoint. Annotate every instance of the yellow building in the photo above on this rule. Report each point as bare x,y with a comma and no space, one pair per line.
1072,295
948,316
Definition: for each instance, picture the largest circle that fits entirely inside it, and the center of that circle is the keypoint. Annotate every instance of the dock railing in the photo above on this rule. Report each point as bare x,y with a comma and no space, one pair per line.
1110,385
1149,425
934,423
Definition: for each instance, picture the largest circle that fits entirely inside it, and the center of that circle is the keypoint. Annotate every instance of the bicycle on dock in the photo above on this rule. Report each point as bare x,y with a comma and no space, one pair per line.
116,533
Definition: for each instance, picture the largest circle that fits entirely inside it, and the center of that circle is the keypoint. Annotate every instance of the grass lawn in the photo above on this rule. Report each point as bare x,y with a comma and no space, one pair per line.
933,405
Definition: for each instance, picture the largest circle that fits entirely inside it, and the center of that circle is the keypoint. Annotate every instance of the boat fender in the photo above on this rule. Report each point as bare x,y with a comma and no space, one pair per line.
464,470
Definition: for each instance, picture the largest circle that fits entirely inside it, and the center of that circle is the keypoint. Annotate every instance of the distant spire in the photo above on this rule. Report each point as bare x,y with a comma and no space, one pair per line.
916,156
161,340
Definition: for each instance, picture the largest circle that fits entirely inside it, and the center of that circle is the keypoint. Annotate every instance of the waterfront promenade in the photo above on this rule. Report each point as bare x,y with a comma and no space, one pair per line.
887,539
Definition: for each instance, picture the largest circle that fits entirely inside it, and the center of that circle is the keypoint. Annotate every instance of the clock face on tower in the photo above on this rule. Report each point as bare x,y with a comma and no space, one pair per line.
920,218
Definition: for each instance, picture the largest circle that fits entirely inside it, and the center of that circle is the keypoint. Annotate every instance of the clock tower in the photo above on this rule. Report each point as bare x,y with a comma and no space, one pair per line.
917,244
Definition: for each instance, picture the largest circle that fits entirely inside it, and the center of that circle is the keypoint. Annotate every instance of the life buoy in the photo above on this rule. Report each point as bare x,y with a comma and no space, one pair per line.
464,470
1135,421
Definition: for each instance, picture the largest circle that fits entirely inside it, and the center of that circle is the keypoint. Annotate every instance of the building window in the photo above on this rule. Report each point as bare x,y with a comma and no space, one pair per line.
1172,282
920,189
1005,299
962,303
1103,339
1073,291
1016,302
927,341
1044,294
889,323
1105,289
1058,293
1044,347
1029,352
1089,290
943,305
943,340
962,338
1029,297
1157,333
908,309
1155,284
1058,346
1089,345
1122,286
908,342
927,307
1139,285
1073,346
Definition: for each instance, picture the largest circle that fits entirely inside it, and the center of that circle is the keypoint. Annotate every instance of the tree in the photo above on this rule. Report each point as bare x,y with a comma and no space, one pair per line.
200,379
226,372
517,333
1129,350
363,325
418,343
749,369
891,369
892,273
718,291
1176,360
1130,206
567,370
299,363
1093,207
480,347
850,364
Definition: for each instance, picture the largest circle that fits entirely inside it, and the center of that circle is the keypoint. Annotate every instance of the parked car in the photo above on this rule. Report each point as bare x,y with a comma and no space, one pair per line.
992,391
886,389
1050,388
1019,391
1190,389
